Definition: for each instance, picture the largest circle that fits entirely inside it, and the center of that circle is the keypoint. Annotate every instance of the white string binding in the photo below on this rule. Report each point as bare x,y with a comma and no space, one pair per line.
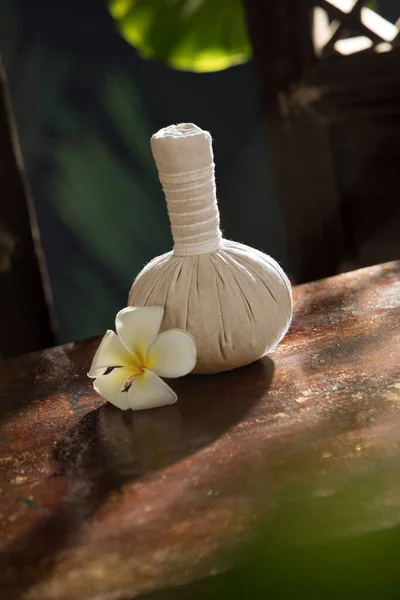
186,174
195,231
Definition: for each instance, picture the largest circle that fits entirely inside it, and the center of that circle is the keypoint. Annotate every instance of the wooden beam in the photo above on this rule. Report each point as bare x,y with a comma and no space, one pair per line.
25,322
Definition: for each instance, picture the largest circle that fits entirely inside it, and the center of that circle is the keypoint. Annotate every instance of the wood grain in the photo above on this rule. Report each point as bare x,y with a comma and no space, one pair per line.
96,503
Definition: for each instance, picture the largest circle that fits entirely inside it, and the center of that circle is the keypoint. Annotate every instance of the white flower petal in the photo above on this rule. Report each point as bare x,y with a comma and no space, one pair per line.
149,391
110,353
109,386
137,327
172,354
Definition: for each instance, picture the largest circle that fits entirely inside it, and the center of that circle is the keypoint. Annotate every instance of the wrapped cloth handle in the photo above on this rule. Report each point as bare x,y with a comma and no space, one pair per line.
185,162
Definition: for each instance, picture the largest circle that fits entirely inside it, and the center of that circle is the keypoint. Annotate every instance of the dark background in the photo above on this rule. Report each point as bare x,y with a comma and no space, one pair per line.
86,105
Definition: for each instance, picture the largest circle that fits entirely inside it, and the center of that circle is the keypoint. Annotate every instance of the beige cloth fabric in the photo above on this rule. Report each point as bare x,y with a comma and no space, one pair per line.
185,162
233,299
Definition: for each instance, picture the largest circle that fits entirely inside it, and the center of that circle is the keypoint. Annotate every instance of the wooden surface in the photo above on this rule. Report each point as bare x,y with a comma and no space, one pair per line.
96,503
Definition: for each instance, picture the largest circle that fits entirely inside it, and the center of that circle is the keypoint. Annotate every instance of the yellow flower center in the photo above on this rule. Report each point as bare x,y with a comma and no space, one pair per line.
141,361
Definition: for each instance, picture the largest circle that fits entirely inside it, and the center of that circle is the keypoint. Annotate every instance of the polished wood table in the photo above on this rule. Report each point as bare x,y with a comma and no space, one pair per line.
96,503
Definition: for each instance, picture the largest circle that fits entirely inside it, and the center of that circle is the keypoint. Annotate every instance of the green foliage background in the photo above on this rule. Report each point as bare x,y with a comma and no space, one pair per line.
193,35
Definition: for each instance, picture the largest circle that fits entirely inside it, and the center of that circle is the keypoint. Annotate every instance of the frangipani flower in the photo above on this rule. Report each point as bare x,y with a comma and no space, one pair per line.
138,358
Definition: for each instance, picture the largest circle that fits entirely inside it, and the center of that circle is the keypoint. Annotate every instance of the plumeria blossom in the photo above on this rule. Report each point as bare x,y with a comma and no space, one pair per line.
128,364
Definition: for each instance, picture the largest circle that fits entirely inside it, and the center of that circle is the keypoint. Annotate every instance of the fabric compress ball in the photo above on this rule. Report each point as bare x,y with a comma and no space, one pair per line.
234,300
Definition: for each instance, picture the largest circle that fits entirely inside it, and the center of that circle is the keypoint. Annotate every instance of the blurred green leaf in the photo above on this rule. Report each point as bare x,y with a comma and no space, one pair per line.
190,35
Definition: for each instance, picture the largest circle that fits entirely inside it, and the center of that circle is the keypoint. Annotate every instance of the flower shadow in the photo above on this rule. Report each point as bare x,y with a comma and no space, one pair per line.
109,447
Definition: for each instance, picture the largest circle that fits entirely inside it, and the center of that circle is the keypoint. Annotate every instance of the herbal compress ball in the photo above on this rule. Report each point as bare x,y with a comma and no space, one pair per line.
234,300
